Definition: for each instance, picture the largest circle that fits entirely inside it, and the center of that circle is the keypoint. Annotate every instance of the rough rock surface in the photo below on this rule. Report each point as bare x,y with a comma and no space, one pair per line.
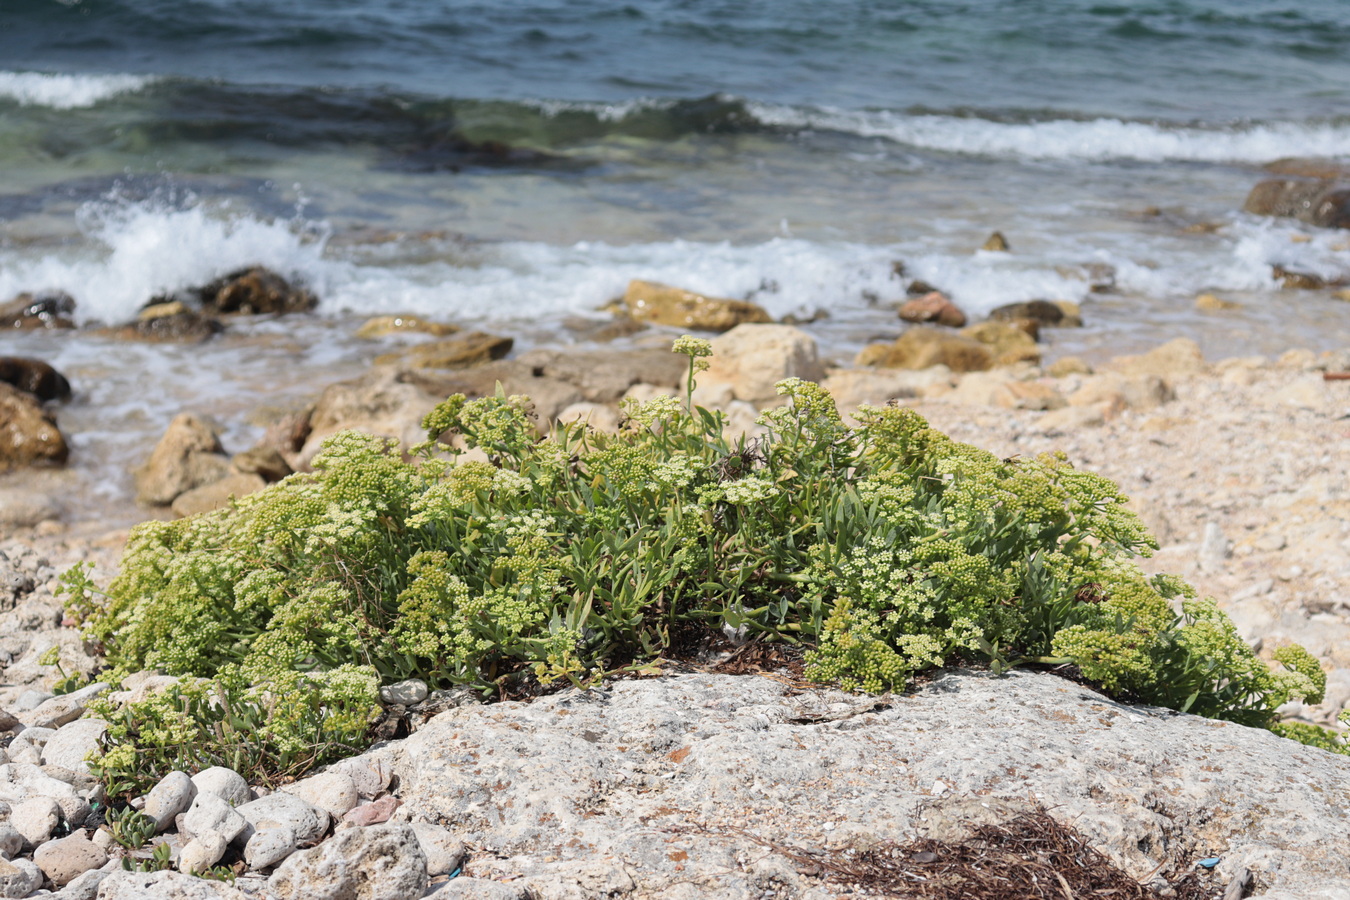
34,377
639,786
164,886
28,434
754,358
189,455
382,862
648,301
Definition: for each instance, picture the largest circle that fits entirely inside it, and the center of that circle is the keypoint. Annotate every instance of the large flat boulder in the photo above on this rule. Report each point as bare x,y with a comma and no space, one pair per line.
640,786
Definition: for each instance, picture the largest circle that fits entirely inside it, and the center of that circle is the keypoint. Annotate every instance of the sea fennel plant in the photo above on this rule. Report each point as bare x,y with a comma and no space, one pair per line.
884,549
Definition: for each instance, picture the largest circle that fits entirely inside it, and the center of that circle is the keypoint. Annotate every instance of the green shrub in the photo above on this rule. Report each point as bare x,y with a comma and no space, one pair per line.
885,549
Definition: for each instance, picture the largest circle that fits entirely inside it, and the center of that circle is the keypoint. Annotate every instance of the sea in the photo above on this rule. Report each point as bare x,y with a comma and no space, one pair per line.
510,166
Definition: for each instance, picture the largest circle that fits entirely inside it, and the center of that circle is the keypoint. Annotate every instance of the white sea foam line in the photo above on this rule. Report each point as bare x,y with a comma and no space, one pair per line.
1098,139
66,91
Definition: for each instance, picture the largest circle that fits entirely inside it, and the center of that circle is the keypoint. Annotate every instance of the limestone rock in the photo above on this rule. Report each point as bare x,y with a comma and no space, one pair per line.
933,308
173,795
224,783
209,813
167,322
47,309
371,778
255,290
1177,358
1008,342
333,792
754,358
405,693
28,434
21,508
443,851
996,243
19,878
383,326
64,708
35,819
382,862
305,820
372,813
33,376
269,846
189,455
1145,786
20,783
202,852
648,301
265,462
605,376
463,888
1068,365
472,348
852,388
922,348
1321,203
217,494
1212,303
72,742
11,842
1043,311
597,415
65,860
120,885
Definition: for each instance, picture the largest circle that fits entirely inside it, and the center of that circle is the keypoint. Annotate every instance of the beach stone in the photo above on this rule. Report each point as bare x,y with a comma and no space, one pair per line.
382,402
754,358
1212,303
1116,391
28,434
1008,342
85,887
472,348
1321,203
253,291
934,308
1068,365
444,852
269,846
852,388
11,842
72,742
996,243
122,885
202,852
307,821
405,693
1214,550
372,813
26,748
167,322
650,301
1028,395
35,819
1180,357
63,708
19,878
265,462
596,415
33,376
217,494
382,862
45,309
189,455
602,376
172,796
370,777
20,782
1043,311
603,332
921,348
21,508
65,860
224,783
333,792
384,326
209,813
464,888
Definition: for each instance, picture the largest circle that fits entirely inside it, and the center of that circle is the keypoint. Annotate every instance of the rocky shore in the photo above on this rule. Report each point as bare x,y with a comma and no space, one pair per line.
699,784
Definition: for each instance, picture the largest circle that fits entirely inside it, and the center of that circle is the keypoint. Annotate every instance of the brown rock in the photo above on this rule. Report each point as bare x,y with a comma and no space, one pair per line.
473,348
1112,390
263,461
1008,343
933,308
1343,294
383,326
217,494
996,243
1320,203
1310,167
372,813
35,377
920,348
382,402
1179,357
28,435
754,358
1211,303
165,322
1043,312
1029,395
254,291
1068,365
918,287
648,301
189,455
1073,313
51,309
1297,281
64,860
603,332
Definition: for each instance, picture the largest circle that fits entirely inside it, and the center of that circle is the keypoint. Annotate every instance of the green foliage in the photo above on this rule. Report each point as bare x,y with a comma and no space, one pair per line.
159,860
1313,736
885,549
277,728
130,828
69,681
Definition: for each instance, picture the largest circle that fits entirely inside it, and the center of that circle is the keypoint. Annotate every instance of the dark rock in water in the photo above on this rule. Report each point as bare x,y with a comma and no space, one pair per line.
455,152
28,434
935,308
918,287
473,348
1320,203
167,322
1041,311
50,309
996,243
35,377
253,291
1301,281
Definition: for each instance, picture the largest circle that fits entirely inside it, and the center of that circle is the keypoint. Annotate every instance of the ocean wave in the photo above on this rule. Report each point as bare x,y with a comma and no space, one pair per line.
66,91
1098,139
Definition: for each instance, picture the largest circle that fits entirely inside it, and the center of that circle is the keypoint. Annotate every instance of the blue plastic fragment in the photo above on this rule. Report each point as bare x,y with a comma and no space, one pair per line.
455,874
1209,863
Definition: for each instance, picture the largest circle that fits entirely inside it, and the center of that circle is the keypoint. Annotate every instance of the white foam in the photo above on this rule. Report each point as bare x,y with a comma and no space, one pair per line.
1095,139
66,91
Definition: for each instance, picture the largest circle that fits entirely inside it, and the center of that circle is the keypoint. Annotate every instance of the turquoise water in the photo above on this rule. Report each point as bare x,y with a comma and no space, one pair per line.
508,165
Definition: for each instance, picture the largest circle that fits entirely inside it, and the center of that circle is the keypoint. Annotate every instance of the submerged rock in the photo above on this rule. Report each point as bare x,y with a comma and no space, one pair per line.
1325,204
48,309
35,377
188,456
28,434
253,291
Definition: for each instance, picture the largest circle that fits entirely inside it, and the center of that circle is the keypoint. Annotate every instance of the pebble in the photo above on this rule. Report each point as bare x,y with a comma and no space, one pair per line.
224,783
405,693
65,860
166,800
202,852
19,878
35,818
209,813
333,792
269,846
